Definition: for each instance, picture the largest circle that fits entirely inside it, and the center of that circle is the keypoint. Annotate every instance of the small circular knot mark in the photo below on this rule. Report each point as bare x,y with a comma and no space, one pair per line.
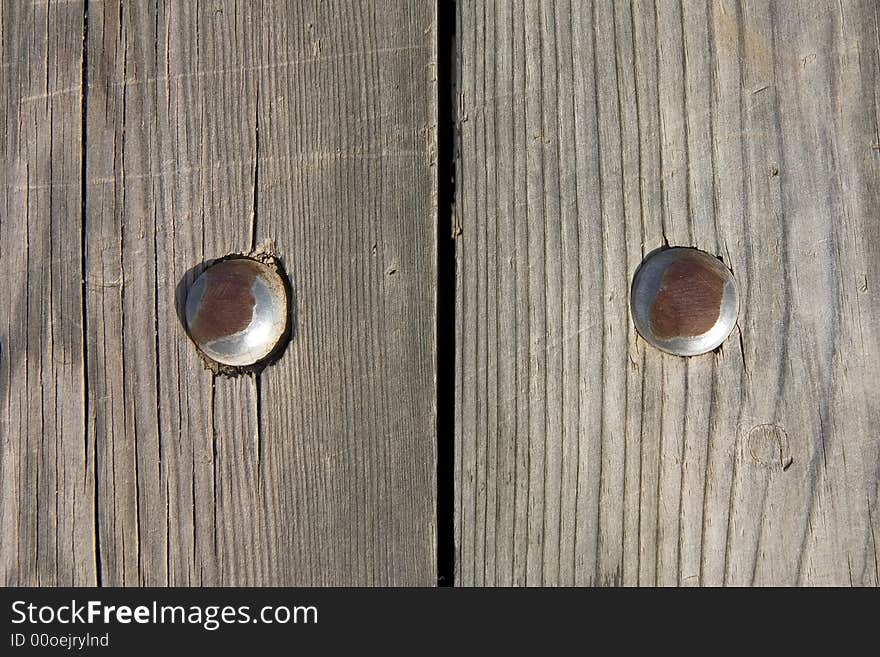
768,446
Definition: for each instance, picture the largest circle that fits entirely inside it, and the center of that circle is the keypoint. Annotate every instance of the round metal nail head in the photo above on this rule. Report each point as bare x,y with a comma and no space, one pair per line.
684,301
236,311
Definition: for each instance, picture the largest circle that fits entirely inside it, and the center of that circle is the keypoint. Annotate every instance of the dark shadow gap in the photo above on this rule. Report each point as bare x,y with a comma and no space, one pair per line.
84,122
445,310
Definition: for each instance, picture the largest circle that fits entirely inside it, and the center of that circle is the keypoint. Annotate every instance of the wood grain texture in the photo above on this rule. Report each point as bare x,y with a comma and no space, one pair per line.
144,139
346,192
47,519
591,133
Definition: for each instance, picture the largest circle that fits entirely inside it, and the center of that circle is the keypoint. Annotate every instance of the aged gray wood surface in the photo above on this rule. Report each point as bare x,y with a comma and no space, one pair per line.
590,134
47,466
143,139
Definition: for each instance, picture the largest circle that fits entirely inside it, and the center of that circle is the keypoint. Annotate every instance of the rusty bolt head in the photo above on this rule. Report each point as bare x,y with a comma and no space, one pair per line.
236,311
684,301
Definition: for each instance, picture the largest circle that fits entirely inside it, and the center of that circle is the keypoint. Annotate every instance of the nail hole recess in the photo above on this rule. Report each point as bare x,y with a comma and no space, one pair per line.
237,312
684,301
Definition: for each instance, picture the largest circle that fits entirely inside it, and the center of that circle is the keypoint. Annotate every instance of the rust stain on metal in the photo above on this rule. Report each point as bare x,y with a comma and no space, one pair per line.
228,303
689,300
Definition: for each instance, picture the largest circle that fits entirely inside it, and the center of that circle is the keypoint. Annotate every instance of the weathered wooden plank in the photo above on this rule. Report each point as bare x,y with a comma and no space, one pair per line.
47,529
145,139
590,134
346,193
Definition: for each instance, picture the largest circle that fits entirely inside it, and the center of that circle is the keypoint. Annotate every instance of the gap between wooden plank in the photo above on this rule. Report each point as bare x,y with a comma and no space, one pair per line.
445,315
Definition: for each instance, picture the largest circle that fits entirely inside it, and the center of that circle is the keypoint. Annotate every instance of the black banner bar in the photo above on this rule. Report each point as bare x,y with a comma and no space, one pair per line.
410,621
